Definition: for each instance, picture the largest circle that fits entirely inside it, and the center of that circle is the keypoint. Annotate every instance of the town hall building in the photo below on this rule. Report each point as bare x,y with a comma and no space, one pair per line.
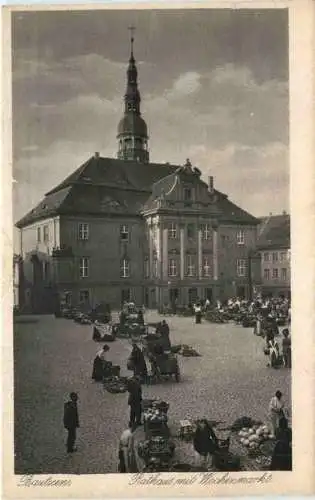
131,229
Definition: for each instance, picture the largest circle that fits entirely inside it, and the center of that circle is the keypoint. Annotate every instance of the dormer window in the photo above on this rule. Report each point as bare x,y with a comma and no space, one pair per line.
187,194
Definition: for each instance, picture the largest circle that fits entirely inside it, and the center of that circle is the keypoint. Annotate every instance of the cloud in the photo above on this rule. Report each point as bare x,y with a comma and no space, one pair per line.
228,123
186,84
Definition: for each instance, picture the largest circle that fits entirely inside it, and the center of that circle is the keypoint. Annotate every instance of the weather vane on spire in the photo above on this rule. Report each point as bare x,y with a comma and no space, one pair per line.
132,29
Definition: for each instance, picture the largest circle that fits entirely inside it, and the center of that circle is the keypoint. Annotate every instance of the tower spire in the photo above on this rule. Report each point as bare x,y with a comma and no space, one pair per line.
132,29
132,130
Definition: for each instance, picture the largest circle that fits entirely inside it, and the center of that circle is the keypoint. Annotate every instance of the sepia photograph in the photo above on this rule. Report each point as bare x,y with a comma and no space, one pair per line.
152,248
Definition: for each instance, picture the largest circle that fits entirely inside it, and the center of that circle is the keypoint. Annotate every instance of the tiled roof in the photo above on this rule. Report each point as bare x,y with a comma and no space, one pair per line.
104,185
232,213
275,232
51,205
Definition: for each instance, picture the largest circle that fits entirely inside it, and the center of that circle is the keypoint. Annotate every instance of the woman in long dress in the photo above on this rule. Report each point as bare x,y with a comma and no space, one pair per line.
98,364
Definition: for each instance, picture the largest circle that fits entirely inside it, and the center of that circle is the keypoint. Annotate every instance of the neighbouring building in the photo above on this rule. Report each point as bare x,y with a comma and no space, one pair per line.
17,279
126,228
273,246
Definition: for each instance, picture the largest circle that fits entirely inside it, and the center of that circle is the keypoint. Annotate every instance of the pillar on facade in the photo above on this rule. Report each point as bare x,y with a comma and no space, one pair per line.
165,253
151,233
215,252
159,250
182,251
199,252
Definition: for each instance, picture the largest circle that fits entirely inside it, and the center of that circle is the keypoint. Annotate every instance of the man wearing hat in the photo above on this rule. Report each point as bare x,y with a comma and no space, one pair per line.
71,420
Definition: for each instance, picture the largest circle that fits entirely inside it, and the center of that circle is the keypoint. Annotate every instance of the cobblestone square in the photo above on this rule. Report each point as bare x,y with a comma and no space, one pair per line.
54,356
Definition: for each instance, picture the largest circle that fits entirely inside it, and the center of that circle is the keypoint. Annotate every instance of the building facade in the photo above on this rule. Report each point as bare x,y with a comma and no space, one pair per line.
127,228
273,246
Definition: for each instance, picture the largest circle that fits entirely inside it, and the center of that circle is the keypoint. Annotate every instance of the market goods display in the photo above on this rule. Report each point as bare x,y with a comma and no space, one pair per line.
253,437
116,385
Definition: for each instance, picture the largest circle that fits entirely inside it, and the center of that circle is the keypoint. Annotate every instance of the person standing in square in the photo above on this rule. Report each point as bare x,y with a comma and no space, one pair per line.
71,421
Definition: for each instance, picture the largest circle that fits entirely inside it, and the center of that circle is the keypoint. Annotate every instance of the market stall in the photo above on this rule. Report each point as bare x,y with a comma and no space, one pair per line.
167,446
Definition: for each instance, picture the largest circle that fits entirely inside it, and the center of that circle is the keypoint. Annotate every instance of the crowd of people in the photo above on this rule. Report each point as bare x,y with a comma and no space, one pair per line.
205,442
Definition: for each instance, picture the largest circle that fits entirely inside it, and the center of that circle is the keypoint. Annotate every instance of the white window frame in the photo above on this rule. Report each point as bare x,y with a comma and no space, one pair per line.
266,256
241,267
206,232
85,301
84,267
39,234
284,274
83,231
275,273
240,237
283,256
172,230
125,268
190,265
275,257
172,267
146,267
206,266
267,274
46,233
124,230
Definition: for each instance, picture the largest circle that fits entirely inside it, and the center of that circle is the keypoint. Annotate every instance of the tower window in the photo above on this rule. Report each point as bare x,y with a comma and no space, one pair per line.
187,194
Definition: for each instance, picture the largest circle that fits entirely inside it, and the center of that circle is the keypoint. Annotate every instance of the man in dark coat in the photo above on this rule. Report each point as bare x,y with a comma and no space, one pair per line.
71,420
135,401
138,362
164,331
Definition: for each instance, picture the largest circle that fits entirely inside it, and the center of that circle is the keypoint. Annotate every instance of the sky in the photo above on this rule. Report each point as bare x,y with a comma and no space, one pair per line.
213,84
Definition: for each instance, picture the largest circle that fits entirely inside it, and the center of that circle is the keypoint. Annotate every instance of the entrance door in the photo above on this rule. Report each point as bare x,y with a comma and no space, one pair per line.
146,297
209,294
192,295
241,292
125,295
173,295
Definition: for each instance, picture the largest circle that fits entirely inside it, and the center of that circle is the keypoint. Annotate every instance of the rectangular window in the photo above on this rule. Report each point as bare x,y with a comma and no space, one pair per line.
146,267
275,274
84,267
83,231
240,237
190,265
267,274
39,234
46,234
172,231
124,232
206,266
172,267
155,267
206,232
187,194
275,257
284,274
283,256
125,268
240,267
266,257
190,231
84,296
45,271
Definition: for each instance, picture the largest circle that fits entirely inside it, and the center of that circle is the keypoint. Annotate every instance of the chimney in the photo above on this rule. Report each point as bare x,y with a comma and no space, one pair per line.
96,154
210,184
284,212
